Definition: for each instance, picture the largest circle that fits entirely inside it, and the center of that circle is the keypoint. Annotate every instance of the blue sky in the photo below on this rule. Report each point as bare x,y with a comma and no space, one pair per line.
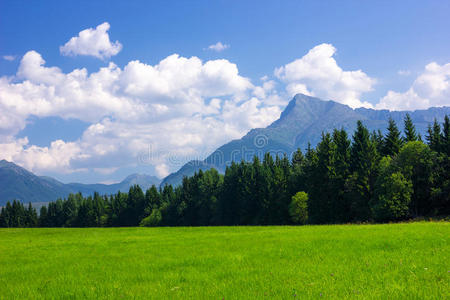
401,49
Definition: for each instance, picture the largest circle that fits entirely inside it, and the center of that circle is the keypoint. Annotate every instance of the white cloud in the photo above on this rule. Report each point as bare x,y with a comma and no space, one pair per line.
162,170
181,108
92,42
318,74
218,47
57,157
431,88
9,57
178,78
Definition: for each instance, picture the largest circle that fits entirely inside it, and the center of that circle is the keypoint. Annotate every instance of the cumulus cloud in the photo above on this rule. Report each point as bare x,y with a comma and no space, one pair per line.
180,108
218,47
9,57
47,91
431,88
56,157
318,74
92,42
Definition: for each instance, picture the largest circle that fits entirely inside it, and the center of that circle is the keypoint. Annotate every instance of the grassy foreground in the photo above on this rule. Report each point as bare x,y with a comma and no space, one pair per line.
348,261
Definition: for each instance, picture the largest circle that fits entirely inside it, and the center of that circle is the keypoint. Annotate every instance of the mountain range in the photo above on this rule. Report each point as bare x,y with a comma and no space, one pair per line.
18,183
302,122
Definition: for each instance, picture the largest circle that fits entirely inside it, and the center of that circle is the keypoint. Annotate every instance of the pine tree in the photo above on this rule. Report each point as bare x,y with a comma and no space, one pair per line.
260,192
31,216
410,130
5,216
297,180
43,220
359,186
445,138
434,136
340,206
378,139
322,193
392,141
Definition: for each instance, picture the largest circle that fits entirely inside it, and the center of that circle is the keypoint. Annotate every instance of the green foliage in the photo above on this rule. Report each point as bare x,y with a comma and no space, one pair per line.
322,190
392,142
298,208
392,194
434,137
410,130
154,219
415,161
16,215
360,184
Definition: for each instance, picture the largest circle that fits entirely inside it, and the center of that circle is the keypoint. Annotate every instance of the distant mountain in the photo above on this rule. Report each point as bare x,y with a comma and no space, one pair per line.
144,181
303,121
18,183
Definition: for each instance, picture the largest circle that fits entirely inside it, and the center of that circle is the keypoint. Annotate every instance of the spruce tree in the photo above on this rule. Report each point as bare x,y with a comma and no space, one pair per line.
297,180
359,186
434,136
446,136
378,139
392,141
322,193
340,206
410,130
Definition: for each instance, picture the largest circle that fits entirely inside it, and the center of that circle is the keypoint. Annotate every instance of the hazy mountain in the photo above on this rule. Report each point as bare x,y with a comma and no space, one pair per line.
18,183
144,181
303,121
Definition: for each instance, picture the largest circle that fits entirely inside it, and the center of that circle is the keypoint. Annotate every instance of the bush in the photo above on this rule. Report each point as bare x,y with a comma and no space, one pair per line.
298,208
393,197
154,219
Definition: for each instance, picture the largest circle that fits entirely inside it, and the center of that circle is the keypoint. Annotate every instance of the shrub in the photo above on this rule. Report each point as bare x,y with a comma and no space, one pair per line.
298,208
154,219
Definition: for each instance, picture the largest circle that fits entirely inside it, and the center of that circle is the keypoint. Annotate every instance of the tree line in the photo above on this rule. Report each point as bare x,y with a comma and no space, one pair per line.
369,177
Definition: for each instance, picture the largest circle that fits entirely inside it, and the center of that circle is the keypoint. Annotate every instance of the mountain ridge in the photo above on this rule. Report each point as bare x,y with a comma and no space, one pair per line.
20,184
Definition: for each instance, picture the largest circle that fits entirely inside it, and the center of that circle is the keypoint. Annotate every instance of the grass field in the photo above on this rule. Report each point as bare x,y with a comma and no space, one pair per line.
349,261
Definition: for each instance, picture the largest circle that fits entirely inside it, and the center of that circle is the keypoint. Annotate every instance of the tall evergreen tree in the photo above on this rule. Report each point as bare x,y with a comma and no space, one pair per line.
446,136
392,141
359,186
31,216
434,136
340,206
322,192
378,139
410,130
297,181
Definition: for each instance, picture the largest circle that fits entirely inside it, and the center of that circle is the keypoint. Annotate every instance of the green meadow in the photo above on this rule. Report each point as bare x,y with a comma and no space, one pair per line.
395,261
